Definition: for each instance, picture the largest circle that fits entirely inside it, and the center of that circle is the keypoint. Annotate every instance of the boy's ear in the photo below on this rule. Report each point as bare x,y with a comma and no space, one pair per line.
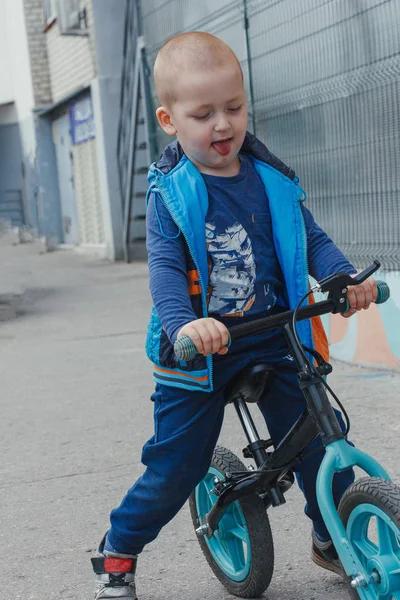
164,118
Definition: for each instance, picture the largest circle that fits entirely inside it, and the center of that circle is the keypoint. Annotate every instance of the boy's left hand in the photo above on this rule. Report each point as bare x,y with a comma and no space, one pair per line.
361,296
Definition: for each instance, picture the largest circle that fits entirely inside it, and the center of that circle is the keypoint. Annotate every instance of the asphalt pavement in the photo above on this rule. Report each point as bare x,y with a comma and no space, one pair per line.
75,412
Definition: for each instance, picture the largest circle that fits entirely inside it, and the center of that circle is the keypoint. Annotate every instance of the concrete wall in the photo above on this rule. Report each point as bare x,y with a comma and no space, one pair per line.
17,56
370,337
17,62
11,156
70,59
8,113
24,79
6,87
11,182
108,23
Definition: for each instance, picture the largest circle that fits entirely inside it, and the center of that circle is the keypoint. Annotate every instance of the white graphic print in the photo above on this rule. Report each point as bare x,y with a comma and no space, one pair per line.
233,273
269,296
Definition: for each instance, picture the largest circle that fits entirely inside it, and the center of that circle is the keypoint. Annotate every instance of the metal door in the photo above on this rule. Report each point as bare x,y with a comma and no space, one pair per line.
62,140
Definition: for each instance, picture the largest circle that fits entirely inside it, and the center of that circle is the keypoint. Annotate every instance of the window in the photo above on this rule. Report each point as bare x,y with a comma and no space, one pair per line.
71,17
49,9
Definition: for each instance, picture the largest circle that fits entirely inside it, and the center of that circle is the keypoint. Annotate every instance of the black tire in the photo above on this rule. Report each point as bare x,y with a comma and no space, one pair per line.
379,492
259,531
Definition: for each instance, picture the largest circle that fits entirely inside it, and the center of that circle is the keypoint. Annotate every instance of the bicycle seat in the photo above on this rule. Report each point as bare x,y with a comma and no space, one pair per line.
250,383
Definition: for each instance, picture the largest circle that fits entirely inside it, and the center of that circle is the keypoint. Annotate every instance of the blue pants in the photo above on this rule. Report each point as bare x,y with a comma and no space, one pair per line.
187,426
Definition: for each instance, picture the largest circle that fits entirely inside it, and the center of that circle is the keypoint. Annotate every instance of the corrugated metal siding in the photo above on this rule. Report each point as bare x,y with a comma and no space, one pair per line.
326,86
88,193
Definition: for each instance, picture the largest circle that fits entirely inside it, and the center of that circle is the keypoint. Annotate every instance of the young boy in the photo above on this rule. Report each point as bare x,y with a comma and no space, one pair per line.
228,241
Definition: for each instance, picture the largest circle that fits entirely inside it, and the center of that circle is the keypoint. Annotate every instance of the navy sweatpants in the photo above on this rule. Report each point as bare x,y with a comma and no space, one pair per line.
187,425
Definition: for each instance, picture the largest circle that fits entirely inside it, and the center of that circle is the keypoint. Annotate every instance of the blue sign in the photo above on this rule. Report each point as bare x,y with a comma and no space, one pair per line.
82,121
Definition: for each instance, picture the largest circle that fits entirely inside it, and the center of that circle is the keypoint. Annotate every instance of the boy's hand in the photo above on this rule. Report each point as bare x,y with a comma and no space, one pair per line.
208,335
361,296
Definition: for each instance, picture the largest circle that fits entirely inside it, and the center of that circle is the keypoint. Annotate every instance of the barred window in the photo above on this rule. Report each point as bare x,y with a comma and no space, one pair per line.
71,17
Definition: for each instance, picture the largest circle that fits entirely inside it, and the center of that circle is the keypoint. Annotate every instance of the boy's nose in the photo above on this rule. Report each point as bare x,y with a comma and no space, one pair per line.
222,123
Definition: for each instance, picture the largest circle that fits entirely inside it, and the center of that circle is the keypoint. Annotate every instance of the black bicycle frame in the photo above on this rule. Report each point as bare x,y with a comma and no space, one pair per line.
318,418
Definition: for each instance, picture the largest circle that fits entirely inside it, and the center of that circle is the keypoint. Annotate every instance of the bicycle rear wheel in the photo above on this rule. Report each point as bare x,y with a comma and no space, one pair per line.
241,551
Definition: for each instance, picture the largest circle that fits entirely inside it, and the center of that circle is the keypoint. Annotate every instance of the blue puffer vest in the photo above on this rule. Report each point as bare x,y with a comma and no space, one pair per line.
182,189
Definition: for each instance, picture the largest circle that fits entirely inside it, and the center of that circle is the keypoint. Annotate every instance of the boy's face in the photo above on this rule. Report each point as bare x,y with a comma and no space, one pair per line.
209,117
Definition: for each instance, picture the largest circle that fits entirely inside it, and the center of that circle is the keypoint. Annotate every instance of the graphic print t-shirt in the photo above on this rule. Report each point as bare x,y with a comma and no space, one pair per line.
245,277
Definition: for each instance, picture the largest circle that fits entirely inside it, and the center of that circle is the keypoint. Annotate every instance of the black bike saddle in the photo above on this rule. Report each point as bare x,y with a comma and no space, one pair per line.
250,383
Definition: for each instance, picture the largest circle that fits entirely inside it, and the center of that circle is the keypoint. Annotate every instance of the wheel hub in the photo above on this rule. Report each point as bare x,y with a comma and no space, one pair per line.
374,537
385,573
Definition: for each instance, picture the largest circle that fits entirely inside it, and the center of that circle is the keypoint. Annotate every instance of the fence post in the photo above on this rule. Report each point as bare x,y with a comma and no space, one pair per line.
249,65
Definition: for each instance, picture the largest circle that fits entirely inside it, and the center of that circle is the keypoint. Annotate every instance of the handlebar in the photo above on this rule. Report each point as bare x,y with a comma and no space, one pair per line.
185,349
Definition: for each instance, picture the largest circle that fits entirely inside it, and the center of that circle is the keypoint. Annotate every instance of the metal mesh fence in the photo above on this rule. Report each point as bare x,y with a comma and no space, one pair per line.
323,81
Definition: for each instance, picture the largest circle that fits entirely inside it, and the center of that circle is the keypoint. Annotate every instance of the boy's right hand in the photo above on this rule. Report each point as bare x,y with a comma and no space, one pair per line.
208,335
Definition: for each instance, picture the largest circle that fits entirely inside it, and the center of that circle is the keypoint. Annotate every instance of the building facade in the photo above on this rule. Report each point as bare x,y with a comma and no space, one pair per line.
60,73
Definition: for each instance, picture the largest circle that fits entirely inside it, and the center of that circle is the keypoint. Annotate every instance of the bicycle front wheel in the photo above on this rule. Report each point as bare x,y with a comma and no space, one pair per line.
370,511
241,551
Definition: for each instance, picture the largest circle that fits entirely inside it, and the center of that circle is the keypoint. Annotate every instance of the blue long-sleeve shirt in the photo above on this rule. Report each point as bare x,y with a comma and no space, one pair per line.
245,276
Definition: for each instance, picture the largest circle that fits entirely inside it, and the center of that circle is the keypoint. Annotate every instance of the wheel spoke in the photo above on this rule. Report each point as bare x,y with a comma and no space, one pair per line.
207,487
239,514
228,518
386,538
234,550
240,533
366,548
206,501
232,524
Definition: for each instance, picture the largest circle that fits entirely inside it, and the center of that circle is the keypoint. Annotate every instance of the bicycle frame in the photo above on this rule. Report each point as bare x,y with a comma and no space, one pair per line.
318,418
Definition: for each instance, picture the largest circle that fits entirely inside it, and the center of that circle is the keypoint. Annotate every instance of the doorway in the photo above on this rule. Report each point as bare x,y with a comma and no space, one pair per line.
63,144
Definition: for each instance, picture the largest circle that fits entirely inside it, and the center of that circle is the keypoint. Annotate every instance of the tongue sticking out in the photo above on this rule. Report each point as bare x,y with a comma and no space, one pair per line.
223,147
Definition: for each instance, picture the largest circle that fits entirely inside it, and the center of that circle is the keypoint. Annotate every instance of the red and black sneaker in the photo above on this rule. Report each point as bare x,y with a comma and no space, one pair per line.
115,576
324,555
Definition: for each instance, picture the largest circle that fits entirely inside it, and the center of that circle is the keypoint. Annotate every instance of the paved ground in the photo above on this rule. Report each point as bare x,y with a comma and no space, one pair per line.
75,412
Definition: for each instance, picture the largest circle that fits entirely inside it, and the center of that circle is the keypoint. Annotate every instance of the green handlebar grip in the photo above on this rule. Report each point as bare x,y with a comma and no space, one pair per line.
382,296
185,349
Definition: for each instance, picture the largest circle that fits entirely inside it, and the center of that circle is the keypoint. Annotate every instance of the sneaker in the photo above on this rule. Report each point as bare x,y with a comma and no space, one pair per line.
324,555
114,575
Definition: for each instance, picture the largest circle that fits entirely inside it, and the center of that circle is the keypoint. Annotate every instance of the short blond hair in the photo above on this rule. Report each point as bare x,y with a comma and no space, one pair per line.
192,50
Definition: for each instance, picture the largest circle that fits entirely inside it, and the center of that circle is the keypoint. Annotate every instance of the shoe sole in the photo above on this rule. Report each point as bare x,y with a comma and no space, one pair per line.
325,564
116,598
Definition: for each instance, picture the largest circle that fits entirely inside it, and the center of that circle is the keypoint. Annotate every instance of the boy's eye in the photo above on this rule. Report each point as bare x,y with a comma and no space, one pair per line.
235,108
201,117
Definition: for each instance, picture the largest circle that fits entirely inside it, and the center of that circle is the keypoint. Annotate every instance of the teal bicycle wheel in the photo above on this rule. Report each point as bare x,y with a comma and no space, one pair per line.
241,551
370,511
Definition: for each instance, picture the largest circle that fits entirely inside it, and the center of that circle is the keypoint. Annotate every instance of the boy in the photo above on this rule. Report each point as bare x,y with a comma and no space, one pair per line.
228,241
